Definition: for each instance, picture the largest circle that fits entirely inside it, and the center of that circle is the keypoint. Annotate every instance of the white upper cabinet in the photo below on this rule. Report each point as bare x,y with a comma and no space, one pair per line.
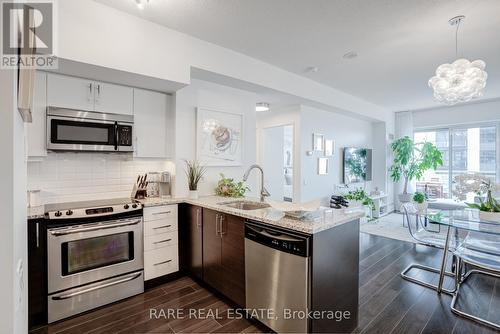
70,92
151,113
84,94
113,99
35,131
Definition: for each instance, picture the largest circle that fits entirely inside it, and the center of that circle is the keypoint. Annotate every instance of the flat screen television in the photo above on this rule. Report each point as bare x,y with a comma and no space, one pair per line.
357,165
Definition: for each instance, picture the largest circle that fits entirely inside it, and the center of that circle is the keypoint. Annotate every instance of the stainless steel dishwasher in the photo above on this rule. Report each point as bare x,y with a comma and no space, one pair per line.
277,277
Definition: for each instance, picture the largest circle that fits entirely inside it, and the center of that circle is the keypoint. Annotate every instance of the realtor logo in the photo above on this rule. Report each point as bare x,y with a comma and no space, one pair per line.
28,35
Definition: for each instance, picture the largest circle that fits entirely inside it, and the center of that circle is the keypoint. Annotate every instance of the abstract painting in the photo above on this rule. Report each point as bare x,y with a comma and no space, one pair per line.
218,137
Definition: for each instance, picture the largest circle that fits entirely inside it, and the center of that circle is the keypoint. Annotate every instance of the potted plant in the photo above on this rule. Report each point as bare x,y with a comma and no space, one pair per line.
420,200
194,172
359,197
489,208
411,160
227,187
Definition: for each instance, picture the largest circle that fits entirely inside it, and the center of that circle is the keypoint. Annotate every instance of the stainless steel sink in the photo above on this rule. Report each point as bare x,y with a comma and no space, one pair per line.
246,205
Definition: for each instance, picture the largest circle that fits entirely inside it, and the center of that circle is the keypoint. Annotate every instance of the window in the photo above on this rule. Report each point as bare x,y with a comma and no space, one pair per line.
465,149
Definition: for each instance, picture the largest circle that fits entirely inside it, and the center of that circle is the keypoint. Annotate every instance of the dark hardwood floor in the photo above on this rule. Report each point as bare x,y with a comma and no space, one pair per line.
387,303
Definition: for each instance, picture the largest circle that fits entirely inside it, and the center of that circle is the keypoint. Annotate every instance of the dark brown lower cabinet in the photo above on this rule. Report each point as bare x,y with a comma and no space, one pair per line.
192,239
224,254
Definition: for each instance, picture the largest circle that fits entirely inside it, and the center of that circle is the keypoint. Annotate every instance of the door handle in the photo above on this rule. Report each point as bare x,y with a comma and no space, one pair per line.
93,228
164,226
105,285
162,241
217,224
222,220
198,218
157,264
162,213
90,92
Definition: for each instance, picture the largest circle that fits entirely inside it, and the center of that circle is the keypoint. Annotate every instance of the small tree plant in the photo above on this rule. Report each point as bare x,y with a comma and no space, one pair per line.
411,160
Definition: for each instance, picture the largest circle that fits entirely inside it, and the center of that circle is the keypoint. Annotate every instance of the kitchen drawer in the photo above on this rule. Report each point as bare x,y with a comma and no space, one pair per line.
160,212
162,240
161,262
154,227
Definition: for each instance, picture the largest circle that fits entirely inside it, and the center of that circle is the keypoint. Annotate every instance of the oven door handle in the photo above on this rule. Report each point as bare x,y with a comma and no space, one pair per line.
93,228
97,287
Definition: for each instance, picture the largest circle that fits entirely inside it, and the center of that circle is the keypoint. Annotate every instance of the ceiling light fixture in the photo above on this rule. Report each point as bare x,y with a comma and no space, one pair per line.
460,81
262,106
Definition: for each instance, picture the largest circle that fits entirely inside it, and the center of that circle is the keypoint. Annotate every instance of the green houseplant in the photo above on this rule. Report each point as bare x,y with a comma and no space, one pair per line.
227,187
411,160
420,200
194,172
489,208
360,196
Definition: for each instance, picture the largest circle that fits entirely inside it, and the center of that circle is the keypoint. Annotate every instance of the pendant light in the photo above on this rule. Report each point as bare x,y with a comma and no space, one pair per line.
460,81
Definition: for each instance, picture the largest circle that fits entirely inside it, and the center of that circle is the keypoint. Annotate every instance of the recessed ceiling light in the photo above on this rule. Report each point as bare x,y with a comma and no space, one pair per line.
350,55
313,69
262,106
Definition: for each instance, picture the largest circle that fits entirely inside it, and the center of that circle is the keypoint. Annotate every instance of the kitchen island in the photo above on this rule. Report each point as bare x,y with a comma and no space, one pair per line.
214,250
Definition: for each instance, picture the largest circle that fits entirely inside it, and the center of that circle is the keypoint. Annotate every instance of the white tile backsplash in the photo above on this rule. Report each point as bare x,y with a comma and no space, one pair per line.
67,177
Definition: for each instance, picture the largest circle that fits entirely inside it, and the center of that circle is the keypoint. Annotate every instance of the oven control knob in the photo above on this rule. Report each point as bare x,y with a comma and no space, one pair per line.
69,212
126,206
134,206
58,214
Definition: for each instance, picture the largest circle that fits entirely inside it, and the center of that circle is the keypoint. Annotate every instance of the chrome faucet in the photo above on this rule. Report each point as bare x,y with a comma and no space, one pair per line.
263,190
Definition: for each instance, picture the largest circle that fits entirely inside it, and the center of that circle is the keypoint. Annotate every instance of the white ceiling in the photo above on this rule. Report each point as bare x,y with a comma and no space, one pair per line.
399,42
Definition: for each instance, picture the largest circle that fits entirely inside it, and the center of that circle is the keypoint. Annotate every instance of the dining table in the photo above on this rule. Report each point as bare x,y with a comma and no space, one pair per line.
460,221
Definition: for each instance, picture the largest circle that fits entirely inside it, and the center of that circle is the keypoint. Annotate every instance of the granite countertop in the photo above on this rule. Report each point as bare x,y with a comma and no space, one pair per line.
271,216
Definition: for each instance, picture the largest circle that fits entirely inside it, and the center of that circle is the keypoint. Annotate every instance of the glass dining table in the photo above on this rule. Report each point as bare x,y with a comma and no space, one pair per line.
458,220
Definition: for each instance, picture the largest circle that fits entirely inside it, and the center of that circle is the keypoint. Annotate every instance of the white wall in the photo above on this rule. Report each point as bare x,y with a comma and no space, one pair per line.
68,177
478,112
87,30
13,241
346,132
217,97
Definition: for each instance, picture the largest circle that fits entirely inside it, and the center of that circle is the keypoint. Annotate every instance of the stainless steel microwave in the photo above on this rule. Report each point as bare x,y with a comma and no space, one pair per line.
78,130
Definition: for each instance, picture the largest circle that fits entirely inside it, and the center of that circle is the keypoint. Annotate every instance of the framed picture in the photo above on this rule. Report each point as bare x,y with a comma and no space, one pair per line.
318,142
329,147
218,137
323,166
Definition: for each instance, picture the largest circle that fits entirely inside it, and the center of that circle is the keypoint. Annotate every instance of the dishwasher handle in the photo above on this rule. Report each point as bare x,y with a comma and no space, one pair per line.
273,234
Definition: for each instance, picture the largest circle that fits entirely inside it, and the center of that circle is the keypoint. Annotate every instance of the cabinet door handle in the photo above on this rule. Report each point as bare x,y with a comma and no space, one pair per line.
90,92
98,90
222,220
164,226
37,235
198,218
217,224
161,213
157,264
162,241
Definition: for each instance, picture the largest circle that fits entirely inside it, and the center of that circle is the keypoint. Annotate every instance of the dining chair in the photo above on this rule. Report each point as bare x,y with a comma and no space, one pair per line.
482,252
420,233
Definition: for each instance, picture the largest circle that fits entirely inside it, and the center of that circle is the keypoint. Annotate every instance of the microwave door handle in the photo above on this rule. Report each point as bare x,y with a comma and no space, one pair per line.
116,136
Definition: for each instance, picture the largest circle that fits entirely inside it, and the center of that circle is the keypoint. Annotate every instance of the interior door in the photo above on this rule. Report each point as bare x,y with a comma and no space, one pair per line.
114,99
70,92
233,258
212,249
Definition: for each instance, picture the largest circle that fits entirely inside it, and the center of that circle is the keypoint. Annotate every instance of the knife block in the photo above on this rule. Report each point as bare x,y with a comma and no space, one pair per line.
139,193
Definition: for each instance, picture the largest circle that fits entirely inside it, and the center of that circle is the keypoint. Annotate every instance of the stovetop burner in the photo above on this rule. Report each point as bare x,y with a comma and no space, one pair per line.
86,209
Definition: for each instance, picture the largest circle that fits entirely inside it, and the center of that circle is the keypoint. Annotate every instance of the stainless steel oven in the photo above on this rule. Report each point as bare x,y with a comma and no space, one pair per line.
94,257
77,130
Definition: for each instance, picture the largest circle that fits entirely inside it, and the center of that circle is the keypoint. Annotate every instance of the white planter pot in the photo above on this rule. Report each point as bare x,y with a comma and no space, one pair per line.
193,194
405,198
489,216
421,207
